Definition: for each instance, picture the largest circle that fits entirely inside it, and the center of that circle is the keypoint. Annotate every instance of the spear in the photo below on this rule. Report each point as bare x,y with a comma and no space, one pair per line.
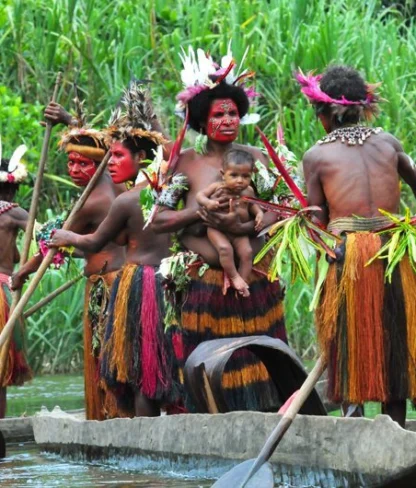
4,352
52,296
47,260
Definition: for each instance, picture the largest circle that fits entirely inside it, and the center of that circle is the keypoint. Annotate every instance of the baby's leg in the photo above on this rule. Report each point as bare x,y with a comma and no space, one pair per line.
226,255
244,252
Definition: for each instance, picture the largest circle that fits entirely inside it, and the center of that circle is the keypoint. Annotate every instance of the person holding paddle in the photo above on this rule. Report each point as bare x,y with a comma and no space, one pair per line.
12,219
366,318
86,148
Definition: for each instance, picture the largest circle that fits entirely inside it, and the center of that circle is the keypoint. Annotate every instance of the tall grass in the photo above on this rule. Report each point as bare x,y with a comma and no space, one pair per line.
101,43
54,333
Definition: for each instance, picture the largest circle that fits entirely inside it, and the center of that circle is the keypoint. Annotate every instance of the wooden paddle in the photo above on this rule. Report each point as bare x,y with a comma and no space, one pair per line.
252,473
51,296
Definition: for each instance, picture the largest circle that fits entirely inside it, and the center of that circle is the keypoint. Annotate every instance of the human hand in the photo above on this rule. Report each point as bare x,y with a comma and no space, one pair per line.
258,222
62,238
213,205
17,280
226,222
56,114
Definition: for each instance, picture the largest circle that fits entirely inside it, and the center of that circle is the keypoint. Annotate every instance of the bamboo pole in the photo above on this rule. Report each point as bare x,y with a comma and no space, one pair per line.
4,352
47,260
51,296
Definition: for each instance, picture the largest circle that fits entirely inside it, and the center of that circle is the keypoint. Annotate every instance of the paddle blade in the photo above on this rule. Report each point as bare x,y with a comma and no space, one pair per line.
236,476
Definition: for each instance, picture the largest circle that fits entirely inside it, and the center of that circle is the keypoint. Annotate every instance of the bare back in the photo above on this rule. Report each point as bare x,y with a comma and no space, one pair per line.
357,180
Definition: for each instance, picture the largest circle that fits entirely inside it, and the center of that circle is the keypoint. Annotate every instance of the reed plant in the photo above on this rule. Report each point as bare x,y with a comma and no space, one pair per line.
102,43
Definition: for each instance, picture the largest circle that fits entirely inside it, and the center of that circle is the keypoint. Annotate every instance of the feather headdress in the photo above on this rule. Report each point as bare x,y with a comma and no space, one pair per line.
81,137
311,88
133,117
201,73
16,171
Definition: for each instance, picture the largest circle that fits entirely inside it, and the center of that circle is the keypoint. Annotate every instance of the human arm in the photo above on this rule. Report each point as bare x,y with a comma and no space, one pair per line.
407,169
203,198
258,214
315,193
108,230
21,275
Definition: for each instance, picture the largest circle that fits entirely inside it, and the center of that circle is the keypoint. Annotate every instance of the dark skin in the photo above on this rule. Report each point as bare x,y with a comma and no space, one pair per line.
124,224
235,184
10,223
359,180
193,219
94,211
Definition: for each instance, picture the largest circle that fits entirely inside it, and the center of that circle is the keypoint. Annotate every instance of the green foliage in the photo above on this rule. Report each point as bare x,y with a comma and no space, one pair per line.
55,331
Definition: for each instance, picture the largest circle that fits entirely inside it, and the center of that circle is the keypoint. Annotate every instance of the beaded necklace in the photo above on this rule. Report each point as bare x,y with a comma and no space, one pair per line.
350,135
6,206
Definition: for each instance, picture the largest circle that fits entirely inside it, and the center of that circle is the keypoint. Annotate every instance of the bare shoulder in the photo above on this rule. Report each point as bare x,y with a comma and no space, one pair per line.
390,139
248,192
313,155
18,213
186,158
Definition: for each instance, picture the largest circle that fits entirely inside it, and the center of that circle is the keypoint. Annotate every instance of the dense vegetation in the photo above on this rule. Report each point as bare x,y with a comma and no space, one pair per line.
100,44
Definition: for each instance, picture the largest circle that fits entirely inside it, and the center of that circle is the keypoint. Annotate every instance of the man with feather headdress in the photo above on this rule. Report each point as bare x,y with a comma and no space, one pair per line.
12,219
86,148
214,102
366,319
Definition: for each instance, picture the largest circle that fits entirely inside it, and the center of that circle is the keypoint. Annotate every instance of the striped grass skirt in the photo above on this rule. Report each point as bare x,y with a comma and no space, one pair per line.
207,313
18,370
135,355
367,327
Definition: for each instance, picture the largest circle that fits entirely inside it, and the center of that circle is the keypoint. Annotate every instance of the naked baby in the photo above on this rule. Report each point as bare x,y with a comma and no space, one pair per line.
237,170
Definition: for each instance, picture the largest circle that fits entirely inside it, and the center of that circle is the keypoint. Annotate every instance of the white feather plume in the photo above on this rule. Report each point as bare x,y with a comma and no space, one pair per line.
17,156
196,67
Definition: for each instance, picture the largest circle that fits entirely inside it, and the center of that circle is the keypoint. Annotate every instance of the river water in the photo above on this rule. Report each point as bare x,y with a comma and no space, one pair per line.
26,467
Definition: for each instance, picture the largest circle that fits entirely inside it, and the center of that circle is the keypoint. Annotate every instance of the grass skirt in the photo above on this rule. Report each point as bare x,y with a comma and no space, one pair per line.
18,370
367,327
97,296
206,313
135,355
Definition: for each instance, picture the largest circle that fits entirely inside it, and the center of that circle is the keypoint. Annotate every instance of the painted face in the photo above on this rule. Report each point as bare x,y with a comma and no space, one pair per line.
80,168
223,121
237,177
122,165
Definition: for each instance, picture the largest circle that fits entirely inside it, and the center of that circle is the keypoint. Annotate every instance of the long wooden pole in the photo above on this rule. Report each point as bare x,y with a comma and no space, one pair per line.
47,260
286,421
51,296
4,352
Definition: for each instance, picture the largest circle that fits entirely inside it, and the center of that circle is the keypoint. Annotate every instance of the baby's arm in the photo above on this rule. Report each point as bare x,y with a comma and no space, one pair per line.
255,210
203,197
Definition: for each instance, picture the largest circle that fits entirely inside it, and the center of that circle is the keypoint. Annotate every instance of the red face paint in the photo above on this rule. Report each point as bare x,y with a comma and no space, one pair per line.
122,166
223,121
80,168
